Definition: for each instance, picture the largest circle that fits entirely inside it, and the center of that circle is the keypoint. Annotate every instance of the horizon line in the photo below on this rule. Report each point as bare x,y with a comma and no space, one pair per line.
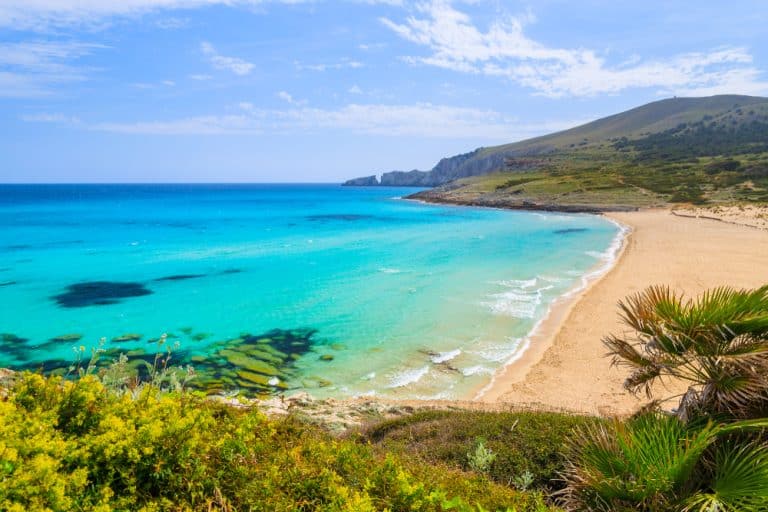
174,183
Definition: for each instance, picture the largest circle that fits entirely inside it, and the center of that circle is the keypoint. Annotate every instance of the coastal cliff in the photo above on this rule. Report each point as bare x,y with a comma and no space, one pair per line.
365,181
474,163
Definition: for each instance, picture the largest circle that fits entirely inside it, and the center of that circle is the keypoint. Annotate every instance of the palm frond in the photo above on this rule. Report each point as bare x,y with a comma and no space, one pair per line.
740,481
717,342
645,462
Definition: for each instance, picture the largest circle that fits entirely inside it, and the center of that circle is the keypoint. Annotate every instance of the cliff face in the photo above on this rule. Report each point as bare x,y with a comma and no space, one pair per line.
366,181
474,163
406,179
468,164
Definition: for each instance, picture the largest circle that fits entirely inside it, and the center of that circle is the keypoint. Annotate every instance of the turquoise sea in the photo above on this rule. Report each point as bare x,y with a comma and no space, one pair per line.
337,291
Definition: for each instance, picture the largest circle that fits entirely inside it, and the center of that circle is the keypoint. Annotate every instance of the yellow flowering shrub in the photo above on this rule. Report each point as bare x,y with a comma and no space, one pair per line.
77,445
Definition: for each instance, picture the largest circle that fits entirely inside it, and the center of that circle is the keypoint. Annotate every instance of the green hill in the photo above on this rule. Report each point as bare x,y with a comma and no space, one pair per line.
655,117
680,150
696,150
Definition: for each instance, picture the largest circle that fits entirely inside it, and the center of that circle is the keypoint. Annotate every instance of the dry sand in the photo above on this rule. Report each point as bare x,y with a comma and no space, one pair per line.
566,367
747,215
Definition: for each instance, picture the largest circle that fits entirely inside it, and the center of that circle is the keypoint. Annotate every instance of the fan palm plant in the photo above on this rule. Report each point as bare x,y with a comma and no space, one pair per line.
655,462
718,343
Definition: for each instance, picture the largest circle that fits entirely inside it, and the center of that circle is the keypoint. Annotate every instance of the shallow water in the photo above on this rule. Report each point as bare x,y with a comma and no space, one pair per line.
352,291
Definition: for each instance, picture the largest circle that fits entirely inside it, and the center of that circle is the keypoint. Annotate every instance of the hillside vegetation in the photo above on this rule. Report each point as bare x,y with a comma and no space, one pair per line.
681,150
596,179
706,158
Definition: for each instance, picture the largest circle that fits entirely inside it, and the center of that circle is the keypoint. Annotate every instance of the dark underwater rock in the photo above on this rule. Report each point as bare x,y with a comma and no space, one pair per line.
256,365
127,337
180,277
67,337
349,217
7,337
98,293
569,230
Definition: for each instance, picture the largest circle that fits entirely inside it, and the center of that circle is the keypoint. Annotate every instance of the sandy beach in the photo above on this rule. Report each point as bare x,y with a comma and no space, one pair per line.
566,367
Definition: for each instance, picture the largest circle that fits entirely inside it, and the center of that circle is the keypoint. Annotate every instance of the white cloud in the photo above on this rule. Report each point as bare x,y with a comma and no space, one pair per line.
235,65
422,120
172,23
30,69
202,125
355,90
456,43
46,14
50,118
285,96
343,64
288,98
154,85
200,77
418,120
43,14
371,46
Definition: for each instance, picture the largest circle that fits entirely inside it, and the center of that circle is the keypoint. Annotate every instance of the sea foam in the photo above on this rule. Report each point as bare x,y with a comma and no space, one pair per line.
608,258
443,357
521,300
406,377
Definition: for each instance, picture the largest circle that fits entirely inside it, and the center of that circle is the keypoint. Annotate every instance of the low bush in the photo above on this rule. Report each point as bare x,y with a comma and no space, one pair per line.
76,445
521,441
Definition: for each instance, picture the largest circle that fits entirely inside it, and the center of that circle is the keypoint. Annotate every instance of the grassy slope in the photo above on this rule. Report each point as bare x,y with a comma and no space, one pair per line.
523,441
653,117
671,151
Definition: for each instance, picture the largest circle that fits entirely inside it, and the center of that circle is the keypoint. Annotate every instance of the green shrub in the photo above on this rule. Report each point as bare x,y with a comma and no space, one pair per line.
716,343
481,458
658,463
521,441
706,458
75,445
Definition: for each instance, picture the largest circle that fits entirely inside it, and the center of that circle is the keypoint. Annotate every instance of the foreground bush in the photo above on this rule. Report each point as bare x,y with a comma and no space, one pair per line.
522,442
657,463
706,457
717,344
74,445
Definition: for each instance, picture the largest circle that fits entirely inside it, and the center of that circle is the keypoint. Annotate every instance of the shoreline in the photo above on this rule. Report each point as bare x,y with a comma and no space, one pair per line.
566,369
541,336
430,197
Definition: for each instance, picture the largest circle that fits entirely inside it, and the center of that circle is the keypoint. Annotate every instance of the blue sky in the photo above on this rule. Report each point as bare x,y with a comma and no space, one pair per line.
313,91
